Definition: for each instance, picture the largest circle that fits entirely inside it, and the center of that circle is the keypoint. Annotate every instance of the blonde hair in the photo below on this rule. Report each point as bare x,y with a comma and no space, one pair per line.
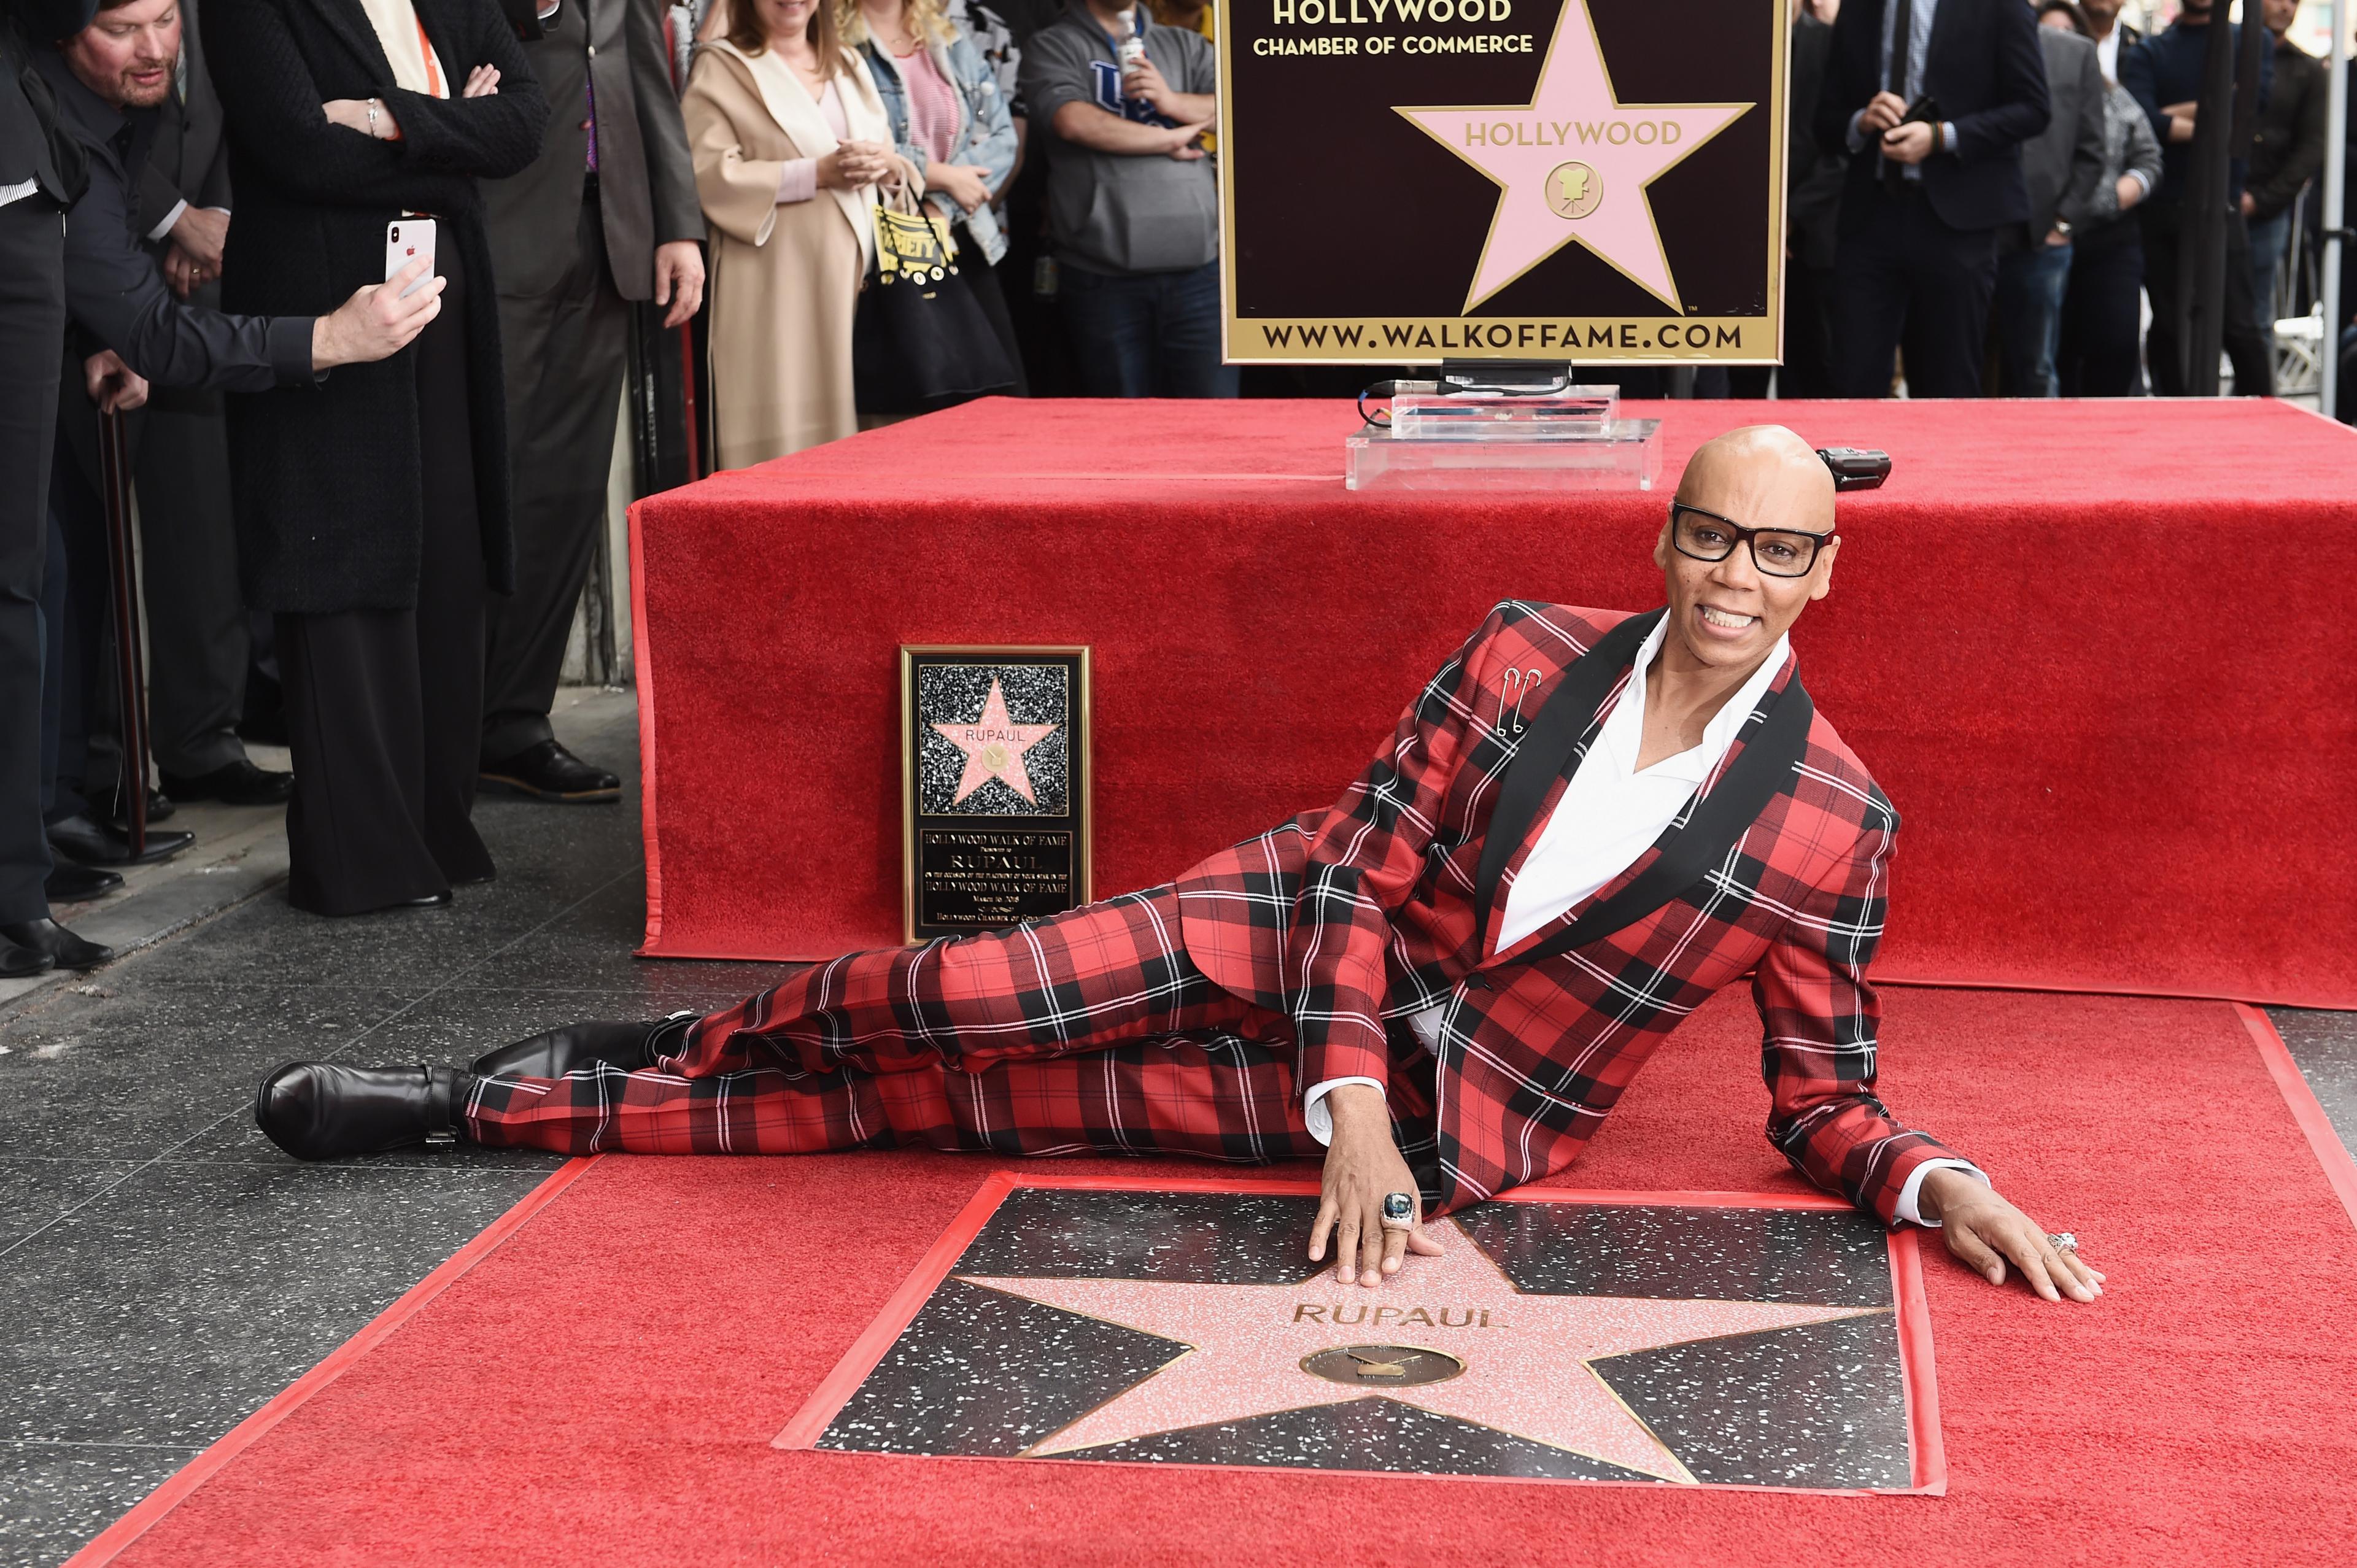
925,19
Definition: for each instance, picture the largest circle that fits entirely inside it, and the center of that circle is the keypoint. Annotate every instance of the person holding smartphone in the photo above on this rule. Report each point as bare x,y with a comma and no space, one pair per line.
372,508
126,328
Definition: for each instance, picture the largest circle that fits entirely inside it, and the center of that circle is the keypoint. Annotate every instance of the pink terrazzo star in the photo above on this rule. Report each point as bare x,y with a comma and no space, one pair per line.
993,746
1525,1357
1573,164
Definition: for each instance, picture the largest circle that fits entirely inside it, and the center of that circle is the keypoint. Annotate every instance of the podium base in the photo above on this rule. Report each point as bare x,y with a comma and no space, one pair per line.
1625,455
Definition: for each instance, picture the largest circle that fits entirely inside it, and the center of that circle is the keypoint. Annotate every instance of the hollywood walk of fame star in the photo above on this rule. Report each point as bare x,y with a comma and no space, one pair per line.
993,746
1573,164
1526,1357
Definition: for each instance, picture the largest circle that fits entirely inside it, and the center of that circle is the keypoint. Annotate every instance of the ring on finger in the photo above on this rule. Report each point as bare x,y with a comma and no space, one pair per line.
1399,1211
2062,1240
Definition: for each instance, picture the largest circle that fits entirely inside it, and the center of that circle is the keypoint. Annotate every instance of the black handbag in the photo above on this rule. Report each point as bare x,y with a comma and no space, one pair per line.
920,340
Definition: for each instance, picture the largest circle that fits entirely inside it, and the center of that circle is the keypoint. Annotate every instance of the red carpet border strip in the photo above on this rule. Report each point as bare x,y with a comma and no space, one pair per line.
151,1509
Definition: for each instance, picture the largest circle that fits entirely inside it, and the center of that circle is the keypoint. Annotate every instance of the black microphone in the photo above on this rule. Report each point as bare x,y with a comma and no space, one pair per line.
1857,468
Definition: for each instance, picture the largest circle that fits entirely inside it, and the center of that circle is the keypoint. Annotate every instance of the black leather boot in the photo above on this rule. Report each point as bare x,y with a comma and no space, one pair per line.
559,1051
325,1111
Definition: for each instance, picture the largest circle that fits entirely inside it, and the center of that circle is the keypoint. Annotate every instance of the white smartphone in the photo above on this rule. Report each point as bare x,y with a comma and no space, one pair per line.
405,240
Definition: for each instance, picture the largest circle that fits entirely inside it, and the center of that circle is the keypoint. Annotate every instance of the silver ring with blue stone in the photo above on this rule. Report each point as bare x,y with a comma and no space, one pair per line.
1399,1211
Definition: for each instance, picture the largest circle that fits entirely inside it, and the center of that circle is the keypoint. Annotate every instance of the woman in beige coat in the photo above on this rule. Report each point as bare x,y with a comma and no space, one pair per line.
789,142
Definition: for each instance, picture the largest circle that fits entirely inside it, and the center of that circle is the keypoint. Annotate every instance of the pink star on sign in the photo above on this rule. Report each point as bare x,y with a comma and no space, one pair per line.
1524,1359
993,746
1573,164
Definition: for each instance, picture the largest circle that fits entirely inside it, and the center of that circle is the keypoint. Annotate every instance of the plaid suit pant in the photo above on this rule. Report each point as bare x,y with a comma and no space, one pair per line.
1090,1032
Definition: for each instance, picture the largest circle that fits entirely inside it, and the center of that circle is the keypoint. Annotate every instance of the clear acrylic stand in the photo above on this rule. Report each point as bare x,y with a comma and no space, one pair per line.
1613,455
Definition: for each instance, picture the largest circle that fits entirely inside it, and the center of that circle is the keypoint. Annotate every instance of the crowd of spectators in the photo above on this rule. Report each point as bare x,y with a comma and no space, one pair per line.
369,507
1997,207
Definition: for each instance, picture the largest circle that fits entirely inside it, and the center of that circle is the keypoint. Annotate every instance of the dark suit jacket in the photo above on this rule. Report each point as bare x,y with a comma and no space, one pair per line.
190,161
2062,165
326,480
116,299
1984,67
2289,148
32,145
646,184
1814,176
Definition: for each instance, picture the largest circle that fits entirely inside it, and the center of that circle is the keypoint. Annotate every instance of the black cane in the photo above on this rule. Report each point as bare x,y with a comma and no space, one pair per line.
115,465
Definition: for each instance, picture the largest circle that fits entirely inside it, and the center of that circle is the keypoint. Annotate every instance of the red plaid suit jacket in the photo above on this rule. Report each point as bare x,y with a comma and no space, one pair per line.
1346,917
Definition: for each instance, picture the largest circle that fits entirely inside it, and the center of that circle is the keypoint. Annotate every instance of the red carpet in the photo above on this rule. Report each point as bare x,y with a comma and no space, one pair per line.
2077,644
603,1385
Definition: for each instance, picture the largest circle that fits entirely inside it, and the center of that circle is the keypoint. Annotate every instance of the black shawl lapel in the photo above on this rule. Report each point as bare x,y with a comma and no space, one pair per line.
1568,713
1764,769
351,24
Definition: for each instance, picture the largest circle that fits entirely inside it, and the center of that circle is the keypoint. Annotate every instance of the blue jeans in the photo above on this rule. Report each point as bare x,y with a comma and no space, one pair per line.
2030,287
2268,238
1146,334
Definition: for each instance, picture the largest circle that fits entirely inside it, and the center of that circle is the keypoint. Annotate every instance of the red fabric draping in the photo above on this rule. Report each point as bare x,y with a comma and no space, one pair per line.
2093,651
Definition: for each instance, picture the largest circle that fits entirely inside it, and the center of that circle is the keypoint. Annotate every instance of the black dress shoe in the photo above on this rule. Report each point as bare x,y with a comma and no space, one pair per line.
68,951
324,1111
102,843
552,1055
549,772
72,884
238,783
23,963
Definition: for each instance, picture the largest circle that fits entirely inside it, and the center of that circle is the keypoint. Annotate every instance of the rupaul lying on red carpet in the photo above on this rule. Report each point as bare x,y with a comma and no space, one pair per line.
1584,824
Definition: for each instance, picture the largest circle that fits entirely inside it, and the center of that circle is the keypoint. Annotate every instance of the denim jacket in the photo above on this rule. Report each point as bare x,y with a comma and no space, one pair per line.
985,137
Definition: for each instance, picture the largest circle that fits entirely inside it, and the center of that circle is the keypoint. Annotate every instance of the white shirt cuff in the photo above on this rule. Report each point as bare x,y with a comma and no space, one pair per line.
1909,1208
170,218
1856,138
1318,1118
2142,178
1948,137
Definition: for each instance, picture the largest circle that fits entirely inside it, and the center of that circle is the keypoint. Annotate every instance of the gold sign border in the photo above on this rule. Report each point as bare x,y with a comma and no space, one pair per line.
1081,759
1780,139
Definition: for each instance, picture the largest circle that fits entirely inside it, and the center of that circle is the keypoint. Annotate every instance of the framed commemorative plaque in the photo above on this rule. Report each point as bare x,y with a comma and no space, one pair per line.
994,786
1586,181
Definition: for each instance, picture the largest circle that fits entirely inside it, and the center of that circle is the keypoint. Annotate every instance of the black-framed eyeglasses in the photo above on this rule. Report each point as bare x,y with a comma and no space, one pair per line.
1706,536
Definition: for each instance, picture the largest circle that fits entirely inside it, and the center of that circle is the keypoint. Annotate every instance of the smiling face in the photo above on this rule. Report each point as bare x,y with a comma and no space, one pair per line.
1726,615
125,55
782,20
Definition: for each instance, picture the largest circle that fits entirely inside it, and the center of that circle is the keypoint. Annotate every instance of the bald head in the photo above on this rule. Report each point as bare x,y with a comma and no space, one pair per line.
1725,613
1761,476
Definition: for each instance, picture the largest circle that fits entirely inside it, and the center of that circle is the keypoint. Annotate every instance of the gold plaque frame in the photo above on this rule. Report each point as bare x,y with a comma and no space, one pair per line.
1665,336
1080,760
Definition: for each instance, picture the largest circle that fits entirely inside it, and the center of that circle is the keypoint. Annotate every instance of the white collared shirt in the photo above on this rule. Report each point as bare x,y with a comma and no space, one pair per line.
1610,813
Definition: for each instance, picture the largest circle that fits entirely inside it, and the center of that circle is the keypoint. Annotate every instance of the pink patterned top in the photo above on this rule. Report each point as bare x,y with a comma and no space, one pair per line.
932,105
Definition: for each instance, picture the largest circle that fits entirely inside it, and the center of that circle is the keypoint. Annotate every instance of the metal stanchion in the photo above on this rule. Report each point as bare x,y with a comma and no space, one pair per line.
114,471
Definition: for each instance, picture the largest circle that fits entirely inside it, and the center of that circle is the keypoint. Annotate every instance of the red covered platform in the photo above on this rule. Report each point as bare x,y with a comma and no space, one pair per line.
2094,653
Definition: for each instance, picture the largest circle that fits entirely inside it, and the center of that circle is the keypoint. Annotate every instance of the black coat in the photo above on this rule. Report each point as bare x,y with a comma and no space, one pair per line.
326,480
1984,67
